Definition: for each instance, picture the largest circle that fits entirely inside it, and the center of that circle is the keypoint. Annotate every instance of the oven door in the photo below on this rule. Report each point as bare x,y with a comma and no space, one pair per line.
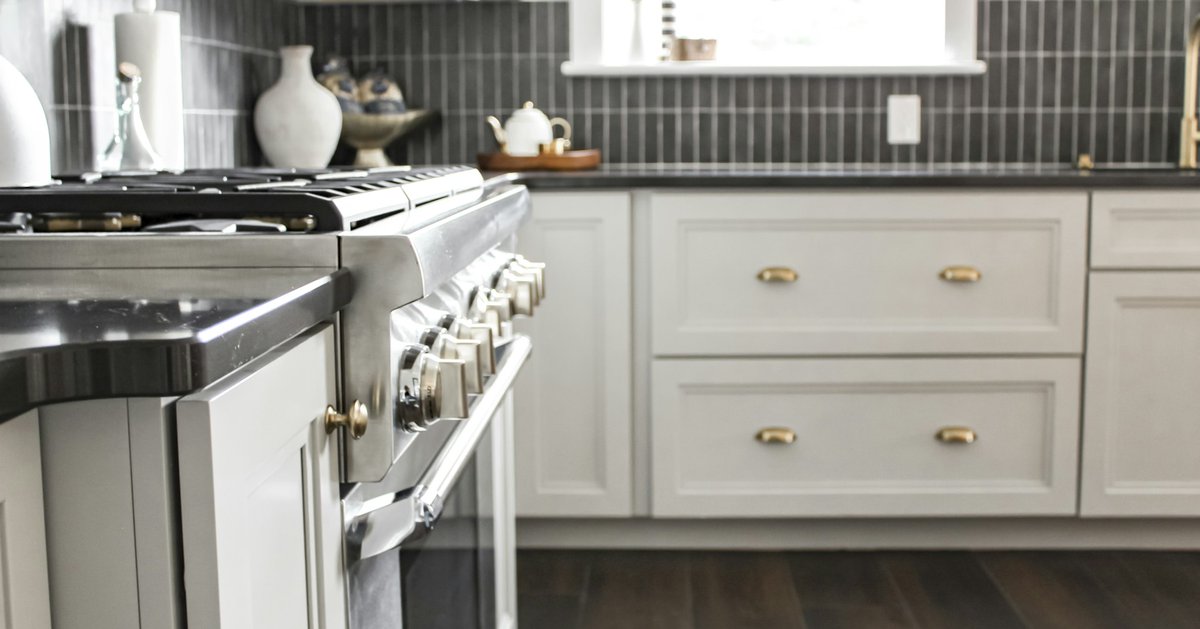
439,554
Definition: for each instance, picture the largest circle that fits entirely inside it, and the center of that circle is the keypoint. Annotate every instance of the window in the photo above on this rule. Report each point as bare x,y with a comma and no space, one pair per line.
777,36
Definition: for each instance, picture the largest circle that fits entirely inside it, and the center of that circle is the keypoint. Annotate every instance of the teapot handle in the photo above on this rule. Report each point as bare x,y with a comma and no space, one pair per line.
498,131
566,127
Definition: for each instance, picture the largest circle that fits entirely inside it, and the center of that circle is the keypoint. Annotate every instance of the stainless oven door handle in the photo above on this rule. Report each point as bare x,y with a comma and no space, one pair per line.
384,523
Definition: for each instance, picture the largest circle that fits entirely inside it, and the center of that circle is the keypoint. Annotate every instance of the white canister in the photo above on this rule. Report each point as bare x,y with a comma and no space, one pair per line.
24,134
150,40
298,121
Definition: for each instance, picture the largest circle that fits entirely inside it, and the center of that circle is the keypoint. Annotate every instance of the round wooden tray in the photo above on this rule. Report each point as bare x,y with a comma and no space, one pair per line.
571,160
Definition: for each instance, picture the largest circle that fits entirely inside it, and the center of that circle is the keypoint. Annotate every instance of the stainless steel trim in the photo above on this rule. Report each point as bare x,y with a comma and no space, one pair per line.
395,262
166,251
378,525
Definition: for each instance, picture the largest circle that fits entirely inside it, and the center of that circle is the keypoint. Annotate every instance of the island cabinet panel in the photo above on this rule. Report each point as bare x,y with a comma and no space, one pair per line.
573,407
842,273
1145,230
258,491
865,437
24,581
1141,437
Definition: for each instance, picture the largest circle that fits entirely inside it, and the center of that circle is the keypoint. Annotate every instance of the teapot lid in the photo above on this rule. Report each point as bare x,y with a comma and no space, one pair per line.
528,105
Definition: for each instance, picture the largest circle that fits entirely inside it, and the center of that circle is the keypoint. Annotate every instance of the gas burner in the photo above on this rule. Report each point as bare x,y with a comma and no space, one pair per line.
317,200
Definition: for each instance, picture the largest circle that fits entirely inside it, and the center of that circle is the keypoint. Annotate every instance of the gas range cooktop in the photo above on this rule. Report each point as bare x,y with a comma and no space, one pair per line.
255,200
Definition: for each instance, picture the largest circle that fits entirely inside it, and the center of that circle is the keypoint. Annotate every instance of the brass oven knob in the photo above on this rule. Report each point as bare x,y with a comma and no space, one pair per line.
471,331
355,420
536,269
521,290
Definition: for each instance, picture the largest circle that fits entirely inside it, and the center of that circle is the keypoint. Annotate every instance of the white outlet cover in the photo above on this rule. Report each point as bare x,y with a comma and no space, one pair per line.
904,119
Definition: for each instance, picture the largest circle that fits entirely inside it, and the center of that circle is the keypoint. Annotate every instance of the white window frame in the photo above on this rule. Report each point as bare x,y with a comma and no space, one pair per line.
597,26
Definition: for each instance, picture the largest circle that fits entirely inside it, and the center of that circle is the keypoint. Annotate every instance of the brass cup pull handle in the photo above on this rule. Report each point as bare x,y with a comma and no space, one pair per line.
961,274
355,420
956,434
777,274
785,436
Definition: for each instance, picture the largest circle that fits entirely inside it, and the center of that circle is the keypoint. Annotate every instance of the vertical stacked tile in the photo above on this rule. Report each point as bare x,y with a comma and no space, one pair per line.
229,57
1064,77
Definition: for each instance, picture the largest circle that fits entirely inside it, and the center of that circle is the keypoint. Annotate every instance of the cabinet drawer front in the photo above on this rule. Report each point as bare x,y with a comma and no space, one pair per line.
874,273
1145,230
865,437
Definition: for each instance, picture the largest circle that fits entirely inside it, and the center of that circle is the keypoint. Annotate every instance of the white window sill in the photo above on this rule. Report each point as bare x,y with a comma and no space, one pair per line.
716,68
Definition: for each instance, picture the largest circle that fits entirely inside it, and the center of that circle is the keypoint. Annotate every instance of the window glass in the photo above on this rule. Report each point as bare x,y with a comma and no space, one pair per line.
818,32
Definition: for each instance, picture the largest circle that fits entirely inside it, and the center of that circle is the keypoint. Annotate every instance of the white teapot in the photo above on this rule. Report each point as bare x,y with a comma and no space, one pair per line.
528,130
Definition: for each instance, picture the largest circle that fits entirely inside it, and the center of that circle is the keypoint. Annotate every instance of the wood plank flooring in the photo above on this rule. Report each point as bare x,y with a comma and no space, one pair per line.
857,590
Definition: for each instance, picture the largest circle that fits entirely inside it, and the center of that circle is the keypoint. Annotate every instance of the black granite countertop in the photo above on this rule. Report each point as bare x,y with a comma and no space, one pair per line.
866,176
55,349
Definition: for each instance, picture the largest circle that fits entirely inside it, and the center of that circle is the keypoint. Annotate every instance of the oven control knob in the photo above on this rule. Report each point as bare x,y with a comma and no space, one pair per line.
445,345
491,307
430,388
536,269
468,330
521,290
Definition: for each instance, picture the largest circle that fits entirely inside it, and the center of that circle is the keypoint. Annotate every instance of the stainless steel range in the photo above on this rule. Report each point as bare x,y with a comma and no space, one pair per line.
425,338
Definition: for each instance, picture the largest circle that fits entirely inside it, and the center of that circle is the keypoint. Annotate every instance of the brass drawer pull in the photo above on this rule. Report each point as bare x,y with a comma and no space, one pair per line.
785,436
956,434
355,420
960,274
777,274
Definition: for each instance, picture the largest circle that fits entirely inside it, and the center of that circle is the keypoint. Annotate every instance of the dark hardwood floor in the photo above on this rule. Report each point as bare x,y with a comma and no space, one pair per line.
857,590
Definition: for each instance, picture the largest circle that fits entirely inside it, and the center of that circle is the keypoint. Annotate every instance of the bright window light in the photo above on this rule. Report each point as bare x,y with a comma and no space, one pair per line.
815,32
759,37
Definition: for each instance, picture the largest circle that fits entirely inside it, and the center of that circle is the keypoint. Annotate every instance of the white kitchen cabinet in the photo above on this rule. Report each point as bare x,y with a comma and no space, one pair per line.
258,477
852,273
1141,437
859,437
573,409
24,584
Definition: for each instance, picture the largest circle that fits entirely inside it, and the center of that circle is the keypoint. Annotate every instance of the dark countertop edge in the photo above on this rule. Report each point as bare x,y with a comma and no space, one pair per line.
170,367
654,178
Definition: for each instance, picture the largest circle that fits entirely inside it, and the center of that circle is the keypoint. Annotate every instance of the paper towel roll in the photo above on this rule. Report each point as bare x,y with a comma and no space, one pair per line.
150,40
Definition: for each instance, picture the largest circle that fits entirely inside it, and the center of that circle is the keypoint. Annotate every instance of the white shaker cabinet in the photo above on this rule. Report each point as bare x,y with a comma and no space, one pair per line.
1141,437
258,478
573,409
24,585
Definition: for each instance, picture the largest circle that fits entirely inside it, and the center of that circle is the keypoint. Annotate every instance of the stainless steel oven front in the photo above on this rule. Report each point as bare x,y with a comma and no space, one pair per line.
431,545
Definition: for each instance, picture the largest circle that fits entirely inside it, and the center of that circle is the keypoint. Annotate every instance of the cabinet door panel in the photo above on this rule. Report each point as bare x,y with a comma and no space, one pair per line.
1141,434
260,521
24,586
572,402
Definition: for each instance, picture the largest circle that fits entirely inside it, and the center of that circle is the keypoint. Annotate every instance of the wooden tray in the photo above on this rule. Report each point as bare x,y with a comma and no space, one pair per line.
571,160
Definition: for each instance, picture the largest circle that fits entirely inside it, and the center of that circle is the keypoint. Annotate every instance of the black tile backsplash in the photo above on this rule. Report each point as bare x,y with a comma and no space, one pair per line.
229,57
1064,77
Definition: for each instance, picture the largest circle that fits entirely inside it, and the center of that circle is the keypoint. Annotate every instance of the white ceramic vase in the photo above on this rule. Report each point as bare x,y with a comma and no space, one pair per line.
297,121
24,134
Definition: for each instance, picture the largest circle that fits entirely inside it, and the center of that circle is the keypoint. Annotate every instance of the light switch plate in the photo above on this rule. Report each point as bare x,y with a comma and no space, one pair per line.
904,119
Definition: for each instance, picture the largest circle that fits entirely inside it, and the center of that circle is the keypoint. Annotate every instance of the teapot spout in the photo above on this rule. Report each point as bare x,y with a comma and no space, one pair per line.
498,130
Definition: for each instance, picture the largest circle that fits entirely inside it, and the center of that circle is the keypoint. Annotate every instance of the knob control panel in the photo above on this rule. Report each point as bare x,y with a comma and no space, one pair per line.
445,345
430,388
468,330
492,308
